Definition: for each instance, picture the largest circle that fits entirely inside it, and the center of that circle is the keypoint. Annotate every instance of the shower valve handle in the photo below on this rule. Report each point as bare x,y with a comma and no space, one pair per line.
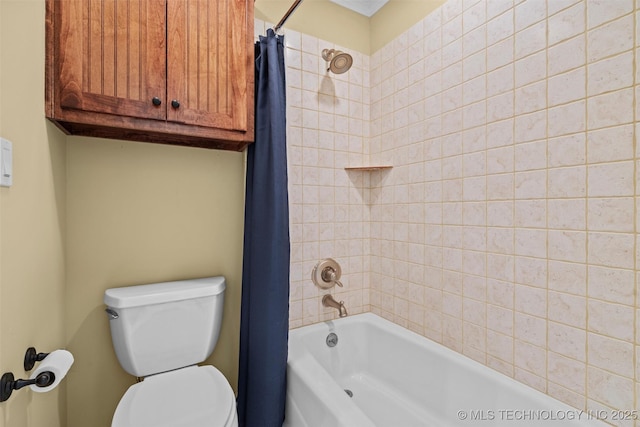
329,275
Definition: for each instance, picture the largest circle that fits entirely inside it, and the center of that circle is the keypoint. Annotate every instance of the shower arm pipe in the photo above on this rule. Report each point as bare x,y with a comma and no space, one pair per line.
293,7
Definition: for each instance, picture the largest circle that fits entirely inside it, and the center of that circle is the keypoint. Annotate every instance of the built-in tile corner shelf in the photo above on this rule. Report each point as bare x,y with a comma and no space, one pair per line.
368,168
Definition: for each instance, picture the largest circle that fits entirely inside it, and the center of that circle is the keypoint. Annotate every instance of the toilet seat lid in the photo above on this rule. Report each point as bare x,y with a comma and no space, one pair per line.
190,397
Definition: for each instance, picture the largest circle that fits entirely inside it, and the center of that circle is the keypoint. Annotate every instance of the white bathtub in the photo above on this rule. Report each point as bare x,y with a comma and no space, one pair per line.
400,379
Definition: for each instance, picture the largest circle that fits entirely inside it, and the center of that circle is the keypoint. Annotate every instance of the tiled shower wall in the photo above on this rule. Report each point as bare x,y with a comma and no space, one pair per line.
327,129
507,228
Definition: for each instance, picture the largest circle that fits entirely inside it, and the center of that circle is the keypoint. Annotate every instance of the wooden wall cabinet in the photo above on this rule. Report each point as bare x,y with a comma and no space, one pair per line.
164,71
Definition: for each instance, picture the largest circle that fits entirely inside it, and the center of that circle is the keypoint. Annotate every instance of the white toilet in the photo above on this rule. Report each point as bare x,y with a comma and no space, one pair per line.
160,332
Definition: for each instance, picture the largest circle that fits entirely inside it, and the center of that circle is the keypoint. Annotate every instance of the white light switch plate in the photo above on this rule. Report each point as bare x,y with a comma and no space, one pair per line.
6,163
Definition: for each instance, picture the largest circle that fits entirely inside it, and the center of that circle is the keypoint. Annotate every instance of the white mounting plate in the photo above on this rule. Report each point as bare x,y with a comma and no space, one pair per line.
6,163
316,273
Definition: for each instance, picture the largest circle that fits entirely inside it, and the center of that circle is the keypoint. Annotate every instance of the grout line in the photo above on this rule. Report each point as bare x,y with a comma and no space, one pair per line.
546,206
513,194
486,204
636,397
586,210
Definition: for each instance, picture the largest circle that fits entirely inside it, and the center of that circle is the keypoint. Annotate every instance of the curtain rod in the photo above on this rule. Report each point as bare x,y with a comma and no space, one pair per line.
293,7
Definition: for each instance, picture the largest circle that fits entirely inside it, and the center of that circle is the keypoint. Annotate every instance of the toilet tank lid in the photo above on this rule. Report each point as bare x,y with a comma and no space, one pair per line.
158,293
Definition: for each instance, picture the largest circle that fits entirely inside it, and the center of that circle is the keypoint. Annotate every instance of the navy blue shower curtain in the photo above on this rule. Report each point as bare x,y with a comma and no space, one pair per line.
264,324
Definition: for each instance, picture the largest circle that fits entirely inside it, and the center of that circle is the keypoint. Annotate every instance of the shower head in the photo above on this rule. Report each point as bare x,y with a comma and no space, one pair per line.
339,62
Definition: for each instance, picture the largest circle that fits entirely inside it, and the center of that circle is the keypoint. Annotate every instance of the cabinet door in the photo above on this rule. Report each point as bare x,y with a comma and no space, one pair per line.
207,63
110,57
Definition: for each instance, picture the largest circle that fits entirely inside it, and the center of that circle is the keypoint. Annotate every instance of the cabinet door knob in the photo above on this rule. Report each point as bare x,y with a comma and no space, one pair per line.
175,103
156,101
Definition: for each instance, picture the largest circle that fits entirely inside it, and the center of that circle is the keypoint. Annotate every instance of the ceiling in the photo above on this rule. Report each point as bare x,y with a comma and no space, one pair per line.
367,8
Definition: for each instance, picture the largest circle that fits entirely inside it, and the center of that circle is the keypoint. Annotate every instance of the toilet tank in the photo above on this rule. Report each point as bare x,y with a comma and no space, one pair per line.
164,326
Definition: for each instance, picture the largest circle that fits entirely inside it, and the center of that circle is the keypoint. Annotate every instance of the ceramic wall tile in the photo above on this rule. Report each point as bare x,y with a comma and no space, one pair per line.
506,229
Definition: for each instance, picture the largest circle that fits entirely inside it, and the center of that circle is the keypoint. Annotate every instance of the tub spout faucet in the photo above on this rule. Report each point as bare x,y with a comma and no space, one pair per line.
328,301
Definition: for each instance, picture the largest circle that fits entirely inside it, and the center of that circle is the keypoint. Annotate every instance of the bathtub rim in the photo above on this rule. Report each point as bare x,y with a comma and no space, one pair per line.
502,380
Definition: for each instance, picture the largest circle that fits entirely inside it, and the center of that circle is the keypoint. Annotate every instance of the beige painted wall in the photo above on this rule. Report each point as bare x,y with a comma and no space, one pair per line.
84,215
331,22
319,18
32,216
140,213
